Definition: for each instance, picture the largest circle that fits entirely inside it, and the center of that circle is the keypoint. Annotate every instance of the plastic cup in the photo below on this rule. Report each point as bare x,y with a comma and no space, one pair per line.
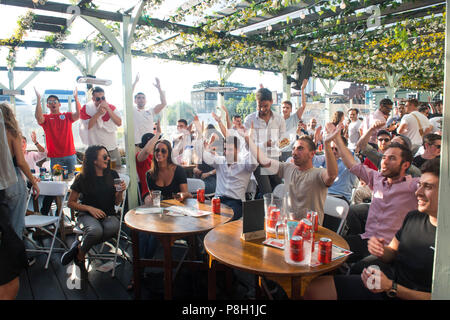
117,183
156,198
273,216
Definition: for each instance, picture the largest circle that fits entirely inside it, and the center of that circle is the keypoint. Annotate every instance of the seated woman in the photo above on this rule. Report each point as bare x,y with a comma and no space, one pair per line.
96,212
171,180
166,176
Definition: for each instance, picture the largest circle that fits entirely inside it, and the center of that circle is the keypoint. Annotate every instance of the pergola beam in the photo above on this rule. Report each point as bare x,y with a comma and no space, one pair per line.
388,19
40,69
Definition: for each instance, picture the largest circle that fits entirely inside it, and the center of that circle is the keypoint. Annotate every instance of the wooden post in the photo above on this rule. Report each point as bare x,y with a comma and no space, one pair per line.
441,274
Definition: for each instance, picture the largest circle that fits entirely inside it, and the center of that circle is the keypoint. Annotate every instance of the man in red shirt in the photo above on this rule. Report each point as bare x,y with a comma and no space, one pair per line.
58,130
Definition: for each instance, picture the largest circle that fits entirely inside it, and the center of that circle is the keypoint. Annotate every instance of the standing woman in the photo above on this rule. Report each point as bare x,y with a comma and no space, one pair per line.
12,250
96,212
16,194
165,175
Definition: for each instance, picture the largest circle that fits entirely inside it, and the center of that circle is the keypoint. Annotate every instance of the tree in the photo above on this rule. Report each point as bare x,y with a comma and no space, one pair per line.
246,106
185,112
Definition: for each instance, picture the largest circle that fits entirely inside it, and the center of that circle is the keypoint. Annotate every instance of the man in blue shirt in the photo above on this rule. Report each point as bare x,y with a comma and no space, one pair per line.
345,181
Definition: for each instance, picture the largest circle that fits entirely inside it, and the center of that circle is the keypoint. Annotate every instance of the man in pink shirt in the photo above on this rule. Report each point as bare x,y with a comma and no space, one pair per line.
393,197
381,114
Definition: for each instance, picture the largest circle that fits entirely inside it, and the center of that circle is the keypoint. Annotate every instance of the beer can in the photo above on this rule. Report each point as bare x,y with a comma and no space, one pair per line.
314,218
216,205
65,172
304,229
325,247
296,248
273,217
201,195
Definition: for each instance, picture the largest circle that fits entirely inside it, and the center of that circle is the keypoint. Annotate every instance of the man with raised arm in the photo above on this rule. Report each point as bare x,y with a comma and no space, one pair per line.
99,122
291,121
404,268
270,128
393,197
144,119
58,130
307,186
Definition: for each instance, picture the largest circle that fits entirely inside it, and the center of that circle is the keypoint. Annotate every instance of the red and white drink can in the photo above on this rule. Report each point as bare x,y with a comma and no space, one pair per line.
325,247
314,218
296,248
201,195
304,229
216,205
274,215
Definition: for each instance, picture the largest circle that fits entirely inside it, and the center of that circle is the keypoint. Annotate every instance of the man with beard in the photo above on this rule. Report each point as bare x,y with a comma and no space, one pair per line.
393,197
270,128
405,265
307,186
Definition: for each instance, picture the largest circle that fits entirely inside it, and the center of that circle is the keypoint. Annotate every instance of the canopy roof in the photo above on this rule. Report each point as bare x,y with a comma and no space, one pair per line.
350,40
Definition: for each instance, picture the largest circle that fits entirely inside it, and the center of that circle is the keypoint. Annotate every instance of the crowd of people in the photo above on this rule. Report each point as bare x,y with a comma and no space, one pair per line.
384,165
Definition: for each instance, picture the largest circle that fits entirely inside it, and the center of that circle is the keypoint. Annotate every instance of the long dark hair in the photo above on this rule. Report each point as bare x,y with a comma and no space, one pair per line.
89,173
155,169
337,117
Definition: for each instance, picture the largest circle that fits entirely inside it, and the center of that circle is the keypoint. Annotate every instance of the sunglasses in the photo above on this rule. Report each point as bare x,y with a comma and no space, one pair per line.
98,98
106,156
437,145
384,139
163,151
52,102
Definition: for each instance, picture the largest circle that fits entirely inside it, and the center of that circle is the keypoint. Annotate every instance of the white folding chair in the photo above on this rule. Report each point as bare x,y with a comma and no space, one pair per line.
120,234
279,191
43,223
338,208
195,184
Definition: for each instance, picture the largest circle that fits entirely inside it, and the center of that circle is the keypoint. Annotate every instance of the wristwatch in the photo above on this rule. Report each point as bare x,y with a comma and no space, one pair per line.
392,293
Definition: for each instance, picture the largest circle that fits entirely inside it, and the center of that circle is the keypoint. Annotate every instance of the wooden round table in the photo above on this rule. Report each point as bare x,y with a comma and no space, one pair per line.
168,229
224,245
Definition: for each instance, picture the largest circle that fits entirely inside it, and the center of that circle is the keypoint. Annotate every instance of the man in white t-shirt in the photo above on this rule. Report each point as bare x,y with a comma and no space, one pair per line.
99,123
269,127
291,121
143,119
353,128
414,124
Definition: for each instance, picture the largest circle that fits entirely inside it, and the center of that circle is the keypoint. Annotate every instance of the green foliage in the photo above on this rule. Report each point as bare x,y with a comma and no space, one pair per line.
185,112
246,106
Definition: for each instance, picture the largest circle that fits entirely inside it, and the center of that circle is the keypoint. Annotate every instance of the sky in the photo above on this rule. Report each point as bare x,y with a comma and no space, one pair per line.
176,78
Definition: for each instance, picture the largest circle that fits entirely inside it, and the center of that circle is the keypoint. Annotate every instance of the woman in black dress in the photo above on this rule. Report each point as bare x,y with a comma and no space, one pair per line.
96,212
165,175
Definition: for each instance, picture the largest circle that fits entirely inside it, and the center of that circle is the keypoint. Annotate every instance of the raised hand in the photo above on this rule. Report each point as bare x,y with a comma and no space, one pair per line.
215,116
33,137
304,83
38,95
75,94
157,84
332,131
378,124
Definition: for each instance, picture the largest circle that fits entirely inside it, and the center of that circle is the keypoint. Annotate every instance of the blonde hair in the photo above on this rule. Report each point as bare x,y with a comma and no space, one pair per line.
11,124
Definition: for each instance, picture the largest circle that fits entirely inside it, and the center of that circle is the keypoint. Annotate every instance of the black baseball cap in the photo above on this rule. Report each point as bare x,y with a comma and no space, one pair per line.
145,138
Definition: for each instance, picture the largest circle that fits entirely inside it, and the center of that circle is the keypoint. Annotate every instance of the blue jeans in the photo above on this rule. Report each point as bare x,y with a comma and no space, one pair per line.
147,245
15,199
234,204
69,162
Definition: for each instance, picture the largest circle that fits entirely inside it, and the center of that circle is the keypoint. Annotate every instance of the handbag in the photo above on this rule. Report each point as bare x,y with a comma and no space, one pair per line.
420,126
